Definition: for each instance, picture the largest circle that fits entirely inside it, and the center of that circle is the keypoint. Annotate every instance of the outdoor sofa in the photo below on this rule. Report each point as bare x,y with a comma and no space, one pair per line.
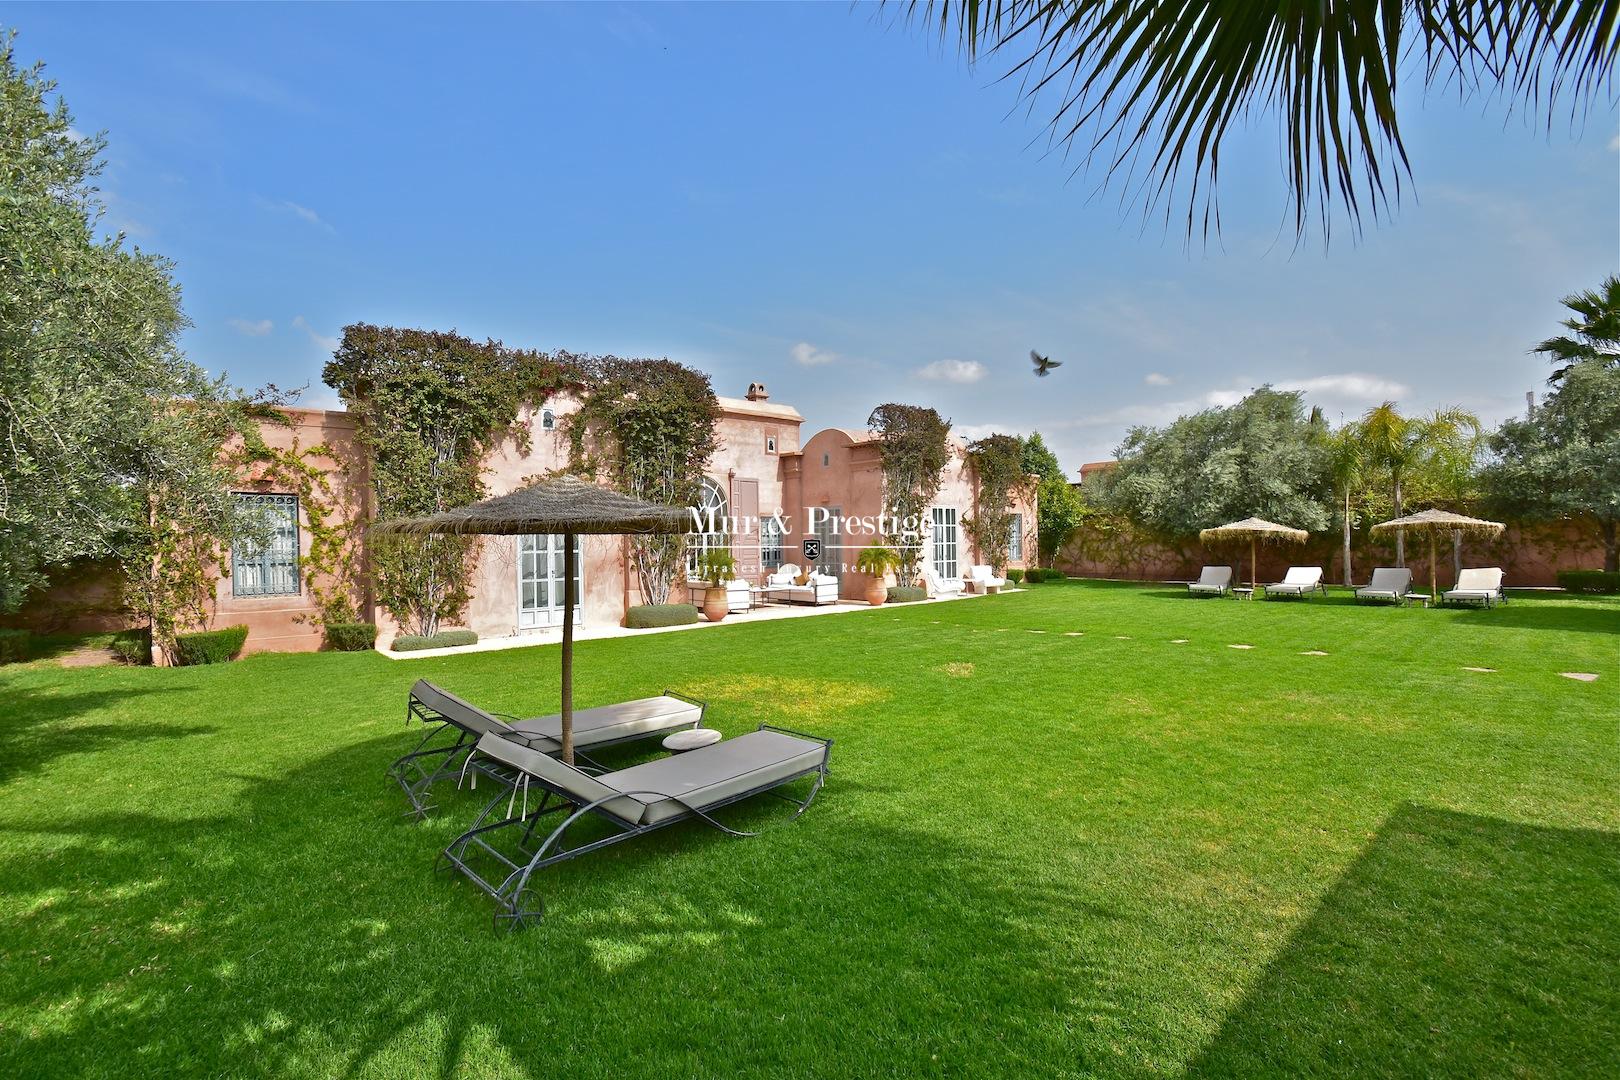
983,579
1388,583
780,585
1300,581
1212,581
626,803
1478,585
456,725
938,586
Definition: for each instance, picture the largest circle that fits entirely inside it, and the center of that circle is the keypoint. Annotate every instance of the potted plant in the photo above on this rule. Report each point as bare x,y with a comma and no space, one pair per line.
877,561
716,567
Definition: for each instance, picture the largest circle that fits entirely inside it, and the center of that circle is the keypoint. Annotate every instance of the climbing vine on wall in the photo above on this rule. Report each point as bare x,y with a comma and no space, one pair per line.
914,442
430,406
998,465
648,428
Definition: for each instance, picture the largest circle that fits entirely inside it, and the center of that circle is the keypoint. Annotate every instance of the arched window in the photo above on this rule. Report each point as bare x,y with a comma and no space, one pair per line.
711,500
548,420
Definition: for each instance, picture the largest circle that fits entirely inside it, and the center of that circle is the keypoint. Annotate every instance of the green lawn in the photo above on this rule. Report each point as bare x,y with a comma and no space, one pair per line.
1038,855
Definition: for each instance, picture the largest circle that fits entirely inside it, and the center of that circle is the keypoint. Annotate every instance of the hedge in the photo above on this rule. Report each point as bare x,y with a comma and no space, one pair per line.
133,646
1034,575
210,646
444,639
14,645
647,616
1606,582
1053,574
351,637
907,594
1015,576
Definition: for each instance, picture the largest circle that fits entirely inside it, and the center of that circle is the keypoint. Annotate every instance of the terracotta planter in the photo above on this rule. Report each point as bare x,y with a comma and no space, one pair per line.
876,592
716,604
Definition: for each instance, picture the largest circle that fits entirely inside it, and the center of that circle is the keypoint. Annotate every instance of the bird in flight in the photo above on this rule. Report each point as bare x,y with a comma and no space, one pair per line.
1043,364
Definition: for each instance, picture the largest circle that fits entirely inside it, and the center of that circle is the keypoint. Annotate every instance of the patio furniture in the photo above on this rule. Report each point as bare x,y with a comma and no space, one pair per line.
630,803
982,579
691,739
1388,583
1418,598
1478,585
1243,592
820,589
739,600
457,725
1299,582
1212,581
938,586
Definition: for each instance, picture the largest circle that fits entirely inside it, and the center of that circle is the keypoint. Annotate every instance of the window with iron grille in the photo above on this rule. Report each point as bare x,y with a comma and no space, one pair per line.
944,521
1015,542
272,569
770,543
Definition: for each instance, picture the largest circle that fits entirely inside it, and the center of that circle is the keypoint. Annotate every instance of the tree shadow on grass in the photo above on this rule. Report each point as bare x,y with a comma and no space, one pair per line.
304,933
1583,617
1456,945
36,726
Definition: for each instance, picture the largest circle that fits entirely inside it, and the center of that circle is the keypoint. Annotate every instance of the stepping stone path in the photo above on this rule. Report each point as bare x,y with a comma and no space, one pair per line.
1178,641
1240,646
1579,676
1485,670
1313,652
1035,631
1074,633
1121,637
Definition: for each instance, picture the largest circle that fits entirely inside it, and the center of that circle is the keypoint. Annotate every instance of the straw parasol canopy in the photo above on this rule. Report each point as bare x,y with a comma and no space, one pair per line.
564,504
1254,530
1434,522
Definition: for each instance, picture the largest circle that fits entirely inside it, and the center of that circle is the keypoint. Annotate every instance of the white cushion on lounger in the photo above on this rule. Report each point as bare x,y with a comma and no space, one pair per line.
704,777
1388,583
1299,580
610,723
1212,579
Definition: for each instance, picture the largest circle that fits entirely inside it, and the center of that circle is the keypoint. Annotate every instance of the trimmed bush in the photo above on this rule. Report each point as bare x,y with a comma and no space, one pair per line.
14,645
1053,575
647,616
351,637
210,646
444,639
133,646
1606,582
1015,576
907,594
1034,575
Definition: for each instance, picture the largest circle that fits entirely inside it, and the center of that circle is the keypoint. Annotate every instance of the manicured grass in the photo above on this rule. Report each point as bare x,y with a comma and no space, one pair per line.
1039,854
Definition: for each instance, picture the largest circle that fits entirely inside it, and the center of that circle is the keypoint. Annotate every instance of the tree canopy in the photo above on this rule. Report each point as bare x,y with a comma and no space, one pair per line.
1059,507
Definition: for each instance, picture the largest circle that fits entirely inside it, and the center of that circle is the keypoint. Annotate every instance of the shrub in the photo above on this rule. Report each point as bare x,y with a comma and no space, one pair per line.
444,639
1015,576
907,594
133,646
14,645
1053,575
647,616
210,646
1589,581
351,637
1034,575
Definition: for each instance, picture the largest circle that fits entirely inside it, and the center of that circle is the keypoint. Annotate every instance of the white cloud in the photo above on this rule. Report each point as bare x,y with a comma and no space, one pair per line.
302,213
1155,379
1614,144
971,432
326,344
956,371
1352,387
1224,398
251,327
807,355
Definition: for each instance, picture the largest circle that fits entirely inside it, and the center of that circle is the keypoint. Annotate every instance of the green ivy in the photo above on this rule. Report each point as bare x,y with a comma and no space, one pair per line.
915,445
998,463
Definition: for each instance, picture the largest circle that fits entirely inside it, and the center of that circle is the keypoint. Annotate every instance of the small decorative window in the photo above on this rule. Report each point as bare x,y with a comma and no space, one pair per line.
770,444
826,459
271,570
548,420
1015,541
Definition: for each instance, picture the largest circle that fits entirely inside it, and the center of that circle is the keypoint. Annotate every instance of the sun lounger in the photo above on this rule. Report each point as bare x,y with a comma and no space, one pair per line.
1388,583
941,586
1478,585
1300,581
983,579
456,725
1212,581
628,803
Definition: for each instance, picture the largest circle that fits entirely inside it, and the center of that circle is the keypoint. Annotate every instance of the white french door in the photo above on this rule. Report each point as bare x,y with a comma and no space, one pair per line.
540,581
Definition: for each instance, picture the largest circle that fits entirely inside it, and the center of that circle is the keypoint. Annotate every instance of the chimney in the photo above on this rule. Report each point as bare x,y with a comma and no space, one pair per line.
756,392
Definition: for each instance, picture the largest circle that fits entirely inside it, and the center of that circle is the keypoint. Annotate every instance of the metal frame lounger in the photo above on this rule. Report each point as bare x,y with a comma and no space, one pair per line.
632,802
1212,581
1300,581
1477,585
1388,583
435,758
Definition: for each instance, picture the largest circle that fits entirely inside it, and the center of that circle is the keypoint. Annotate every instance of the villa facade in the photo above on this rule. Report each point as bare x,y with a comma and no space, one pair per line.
777,488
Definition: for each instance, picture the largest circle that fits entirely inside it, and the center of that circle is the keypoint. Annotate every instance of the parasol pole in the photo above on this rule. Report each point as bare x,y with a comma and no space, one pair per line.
1434,577
1254,563
568,650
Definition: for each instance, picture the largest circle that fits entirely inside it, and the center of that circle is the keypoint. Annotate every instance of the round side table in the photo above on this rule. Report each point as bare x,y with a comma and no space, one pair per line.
691,739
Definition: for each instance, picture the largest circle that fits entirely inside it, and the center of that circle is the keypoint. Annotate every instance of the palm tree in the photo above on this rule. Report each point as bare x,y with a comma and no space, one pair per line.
1345,454
1594,330
1443,445
1149,88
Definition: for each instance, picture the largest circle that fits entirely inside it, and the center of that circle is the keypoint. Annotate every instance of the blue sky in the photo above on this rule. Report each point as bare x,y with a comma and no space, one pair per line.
805,195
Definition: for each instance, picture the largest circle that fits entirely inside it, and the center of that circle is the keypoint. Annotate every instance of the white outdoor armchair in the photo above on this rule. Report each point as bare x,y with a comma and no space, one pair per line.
983,579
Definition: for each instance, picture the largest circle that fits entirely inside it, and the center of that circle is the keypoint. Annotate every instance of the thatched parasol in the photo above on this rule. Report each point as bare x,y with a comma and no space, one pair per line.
1438,521
1254,530
563,504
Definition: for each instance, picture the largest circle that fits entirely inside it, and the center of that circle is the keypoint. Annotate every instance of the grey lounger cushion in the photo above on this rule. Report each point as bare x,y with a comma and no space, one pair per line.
593,726
1212,579
579,786
1388,583
706,777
